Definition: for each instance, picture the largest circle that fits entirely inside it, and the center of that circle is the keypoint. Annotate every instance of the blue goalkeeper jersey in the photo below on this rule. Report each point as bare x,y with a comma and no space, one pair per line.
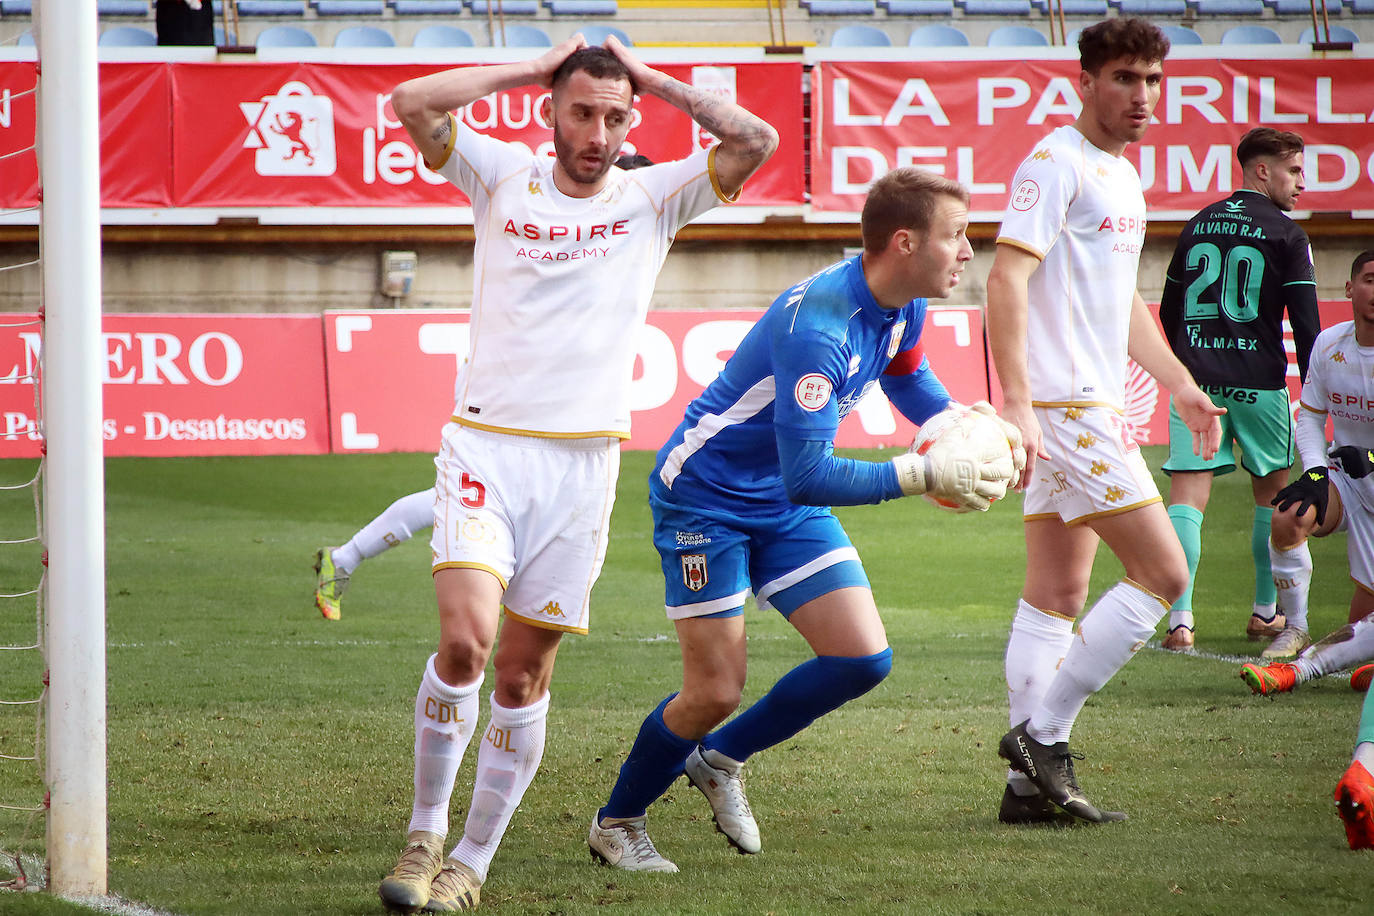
760,438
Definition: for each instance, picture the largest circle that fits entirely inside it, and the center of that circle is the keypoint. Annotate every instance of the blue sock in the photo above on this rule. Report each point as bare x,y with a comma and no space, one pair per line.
799,698
655,760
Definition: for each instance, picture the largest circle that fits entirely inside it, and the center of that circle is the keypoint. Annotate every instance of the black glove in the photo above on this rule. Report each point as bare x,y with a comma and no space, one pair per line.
1310,489
1355,461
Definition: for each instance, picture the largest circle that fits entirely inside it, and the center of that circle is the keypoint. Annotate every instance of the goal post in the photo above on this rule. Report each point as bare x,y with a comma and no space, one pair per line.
74,485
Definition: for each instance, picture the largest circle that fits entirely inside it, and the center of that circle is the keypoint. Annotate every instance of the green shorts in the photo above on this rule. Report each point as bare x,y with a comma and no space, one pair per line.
1258,420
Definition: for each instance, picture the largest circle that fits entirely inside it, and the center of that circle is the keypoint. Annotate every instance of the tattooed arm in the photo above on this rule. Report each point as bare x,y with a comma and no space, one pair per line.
423,104
746,141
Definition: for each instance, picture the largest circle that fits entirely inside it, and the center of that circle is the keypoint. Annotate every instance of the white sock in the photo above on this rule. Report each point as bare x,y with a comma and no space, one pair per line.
1181,619
1349,647
1035,648
1364,755
1265,611
1292,577
445,719
506,763
1108,635
396,525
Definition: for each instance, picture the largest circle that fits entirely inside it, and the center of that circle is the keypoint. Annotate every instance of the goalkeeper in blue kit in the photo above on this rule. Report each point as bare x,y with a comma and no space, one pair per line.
740,496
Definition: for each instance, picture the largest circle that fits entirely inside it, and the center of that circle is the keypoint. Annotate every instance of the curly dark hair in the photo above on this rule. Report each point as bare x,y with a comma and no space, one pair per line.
1128,36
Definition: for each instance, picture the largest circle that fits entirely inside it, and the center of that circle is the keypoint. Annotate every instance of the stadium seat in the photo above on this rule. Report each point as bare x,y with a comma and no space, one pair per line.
270,7
442,36
25,39
523,36
364,36
329,8
1180,35
1362,7
596,35
937,36
1149,8
1253,8
127,36
1251,35
1075,7
1016,36
1303,7
1337,33
581,7
16,7
121,8
840,7
284,36
859,36
508,8
427,7
943,8
995,7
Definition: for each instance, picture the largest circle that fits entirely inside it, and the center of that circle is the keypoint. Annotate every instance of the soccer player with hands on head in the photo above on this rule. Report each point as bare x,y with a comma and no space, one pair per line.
1063,316
1334,493
741,494
567,251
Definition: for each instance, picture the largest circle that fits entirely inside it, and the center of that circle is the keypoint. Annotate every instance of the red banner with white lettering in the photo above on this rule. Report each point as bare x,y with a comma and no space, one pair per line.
976,120
377,360
184,385
312,134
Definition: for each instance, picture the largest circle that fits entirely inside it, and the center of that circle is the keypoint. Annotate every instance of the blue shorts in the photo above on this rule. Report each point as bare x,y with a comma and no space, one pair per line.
712,560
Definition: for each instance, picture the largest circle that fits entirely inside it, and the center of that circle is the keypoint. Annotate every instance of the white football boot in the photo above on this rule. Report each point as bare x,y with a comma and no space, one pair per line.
623,842
721,780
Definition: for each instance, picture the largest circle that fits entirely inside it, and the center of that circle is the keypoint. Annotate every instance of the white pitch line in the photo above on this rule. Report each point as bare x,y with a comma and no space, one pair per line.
36,870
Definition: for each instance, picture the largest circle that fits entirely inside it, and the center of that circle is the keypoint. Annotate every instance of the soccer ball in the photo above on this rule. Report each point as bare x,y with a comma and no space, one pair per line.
971,439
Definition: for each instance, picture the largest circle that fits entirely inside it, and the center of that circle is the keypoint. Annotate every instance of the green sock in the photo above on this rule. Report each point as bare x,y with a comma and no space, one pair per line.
1366,731
1188,526
1265,593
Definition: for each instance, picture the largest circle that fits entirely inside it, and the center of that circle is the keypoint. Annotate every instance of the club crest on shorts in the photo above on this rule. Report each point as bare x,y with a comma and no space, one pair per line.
694,571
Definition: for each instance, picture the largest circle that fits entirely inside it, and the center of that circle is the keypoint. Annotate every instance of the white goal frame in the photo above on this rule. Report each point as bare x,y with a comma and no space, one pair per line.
74,482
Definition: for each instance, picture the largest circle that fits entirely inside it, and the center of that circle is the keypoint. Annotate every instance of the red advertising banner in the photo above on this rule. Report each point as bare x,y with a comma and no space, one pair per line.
976,120
379,360
135,135
185,385
313,134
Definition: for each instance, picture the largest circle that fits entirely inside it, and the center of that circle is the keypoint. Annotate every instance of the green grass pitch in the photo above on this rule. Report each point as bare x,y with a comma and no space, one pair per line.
260,756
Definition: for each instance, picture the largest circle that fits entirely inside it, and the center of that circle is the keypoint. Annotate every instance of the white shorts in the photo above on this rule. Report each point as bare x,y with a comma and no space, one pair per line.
533,512
1095,468
1358,524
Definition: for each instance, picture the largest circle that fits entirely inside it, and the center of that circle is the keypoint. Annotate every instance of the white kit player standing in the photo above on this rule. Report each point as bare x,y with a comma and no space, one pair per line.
566,256
1063,315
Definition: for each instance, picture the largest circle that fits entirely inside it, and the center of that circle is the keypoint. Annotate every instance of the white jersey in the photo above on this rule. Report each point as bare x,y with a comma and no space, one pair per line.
1081,211
1339,384
562,284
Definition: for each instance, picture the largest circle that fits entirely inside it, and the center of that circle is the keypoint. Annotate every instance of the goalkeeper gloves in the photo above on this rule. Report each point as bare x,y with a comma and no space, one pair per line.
1013,434
1309,490
1356,462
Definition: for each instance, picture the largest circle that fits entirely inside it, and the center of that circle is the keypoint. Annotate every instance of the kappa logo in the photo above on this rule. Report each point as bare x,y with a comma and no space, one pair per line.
694,571
1114,494
1086,440
535,189
552,610
291,132
1338,357
1074,413
1042,155
1099,468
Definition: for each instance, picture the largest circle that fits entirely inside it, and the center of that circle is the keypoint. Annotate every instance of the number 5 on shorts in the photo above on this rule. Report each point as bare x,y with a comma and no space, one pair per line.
474,492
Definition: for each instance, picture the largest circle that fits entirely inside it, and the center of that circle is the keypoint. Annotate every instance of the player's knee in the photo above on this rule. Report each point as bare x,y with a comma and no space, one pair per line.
460,658
857,676
1288,529
711,703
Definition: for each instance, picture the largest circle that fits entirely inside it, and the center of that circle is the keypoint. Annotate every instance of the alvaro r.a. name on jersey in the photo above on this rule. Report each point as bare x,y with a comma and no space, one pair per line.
1239,264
